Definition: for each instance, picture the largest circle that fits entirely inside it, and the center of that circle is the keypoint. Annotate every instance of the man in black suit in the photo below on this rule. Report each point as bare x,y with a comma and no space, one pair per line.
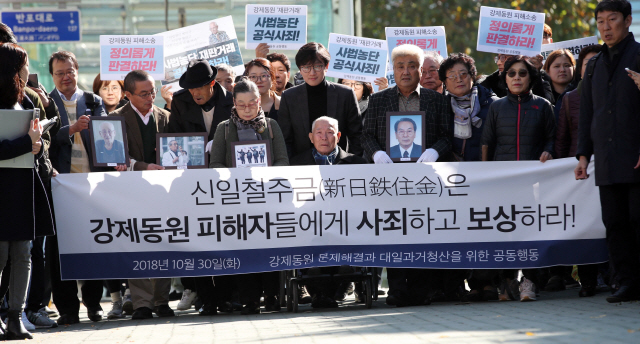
405,130
407,286
317,97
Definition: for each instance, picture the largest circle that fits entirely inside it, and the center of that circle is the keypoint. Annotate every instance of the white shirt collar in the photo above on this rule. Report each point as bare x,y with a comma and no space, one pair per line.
145,118
74,97
402,150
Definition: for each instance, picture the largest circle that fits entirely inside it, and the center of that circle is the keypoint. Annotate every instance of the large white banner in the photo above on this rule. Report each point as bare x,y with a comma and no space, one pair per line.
223,221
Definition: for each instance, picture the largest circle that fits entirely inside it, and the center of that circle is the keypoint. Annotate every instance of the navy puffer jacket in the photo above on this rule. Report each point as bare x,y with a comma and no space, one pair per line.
519,128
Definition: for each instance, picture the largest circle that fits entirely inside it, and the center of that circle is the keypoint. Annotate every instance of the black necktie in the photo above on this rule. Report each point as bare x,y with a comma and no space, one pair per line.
406,154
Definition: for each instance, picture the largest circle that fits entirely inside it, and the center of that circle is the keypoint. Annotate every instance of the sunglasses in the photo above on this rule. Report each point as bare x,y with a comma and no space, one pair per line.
522,73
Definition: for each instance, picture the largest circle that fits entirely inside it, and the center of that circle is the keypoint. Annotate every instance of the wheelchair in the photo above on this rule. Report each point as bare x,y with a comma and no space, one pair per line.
294,278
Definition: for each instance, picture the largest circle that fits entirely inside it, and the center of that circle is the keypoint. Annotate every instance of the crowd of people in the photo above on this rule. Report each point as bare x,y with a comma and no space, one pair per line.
524,110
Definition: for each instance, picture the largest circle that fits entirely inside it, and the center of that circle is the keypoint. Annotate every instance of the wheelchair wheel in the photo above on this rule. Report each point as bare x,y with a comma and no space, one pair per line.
368,287
283,288
296,295
374,283
289,296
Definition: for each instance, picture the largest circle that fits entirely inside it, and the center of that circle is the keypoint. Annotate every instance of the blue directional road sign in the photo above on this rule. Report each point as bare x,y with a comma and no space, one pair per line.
38,25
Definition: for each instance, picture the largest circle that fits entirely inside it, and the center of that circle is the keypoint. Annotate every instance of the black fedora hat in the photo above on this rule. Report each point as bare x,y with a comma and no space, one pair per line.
198,74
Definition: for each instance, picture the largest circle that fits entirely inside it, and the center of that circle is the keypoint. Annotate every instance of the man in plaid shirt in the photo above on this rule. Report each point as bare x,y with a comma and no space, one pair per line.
407,95
407,286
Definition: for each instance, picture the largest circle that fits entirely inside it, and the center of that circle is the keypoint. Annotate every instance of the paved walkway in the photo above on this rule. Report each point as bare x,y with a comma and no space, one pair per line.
559,317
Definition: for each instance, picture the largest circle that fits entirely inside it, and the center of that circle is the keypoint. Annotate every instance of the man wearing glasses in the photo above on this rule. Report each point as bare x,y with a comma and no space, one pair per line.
430,67
202,103
541,87
317,97
143,121
71,152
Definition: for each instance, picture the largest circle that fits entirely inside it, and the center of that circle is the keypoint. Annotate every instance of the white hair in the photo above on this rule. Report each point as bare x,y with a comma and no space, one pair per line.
332,122
431,54
407,50
225,67
107,124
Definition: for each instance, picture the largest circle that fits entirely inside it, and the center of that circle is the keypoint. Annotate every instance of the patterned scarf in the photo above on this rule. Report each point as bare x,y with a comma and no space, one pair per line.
258,123
465,110
325,159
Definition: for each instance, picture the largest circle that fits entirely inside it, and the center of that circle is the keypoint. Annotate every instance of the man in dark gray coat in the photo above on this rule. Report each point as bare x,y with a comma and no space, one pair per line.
608,128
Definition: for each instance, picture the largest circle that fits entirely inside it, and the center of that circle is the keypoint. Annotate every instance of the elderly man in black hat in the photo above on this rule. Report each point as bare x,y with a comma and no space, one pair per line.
199,107
202,103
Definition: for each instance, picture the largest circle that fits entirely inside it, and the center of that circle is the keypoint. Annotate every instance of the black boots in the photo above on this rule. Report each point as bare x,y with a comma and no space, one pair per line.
15,328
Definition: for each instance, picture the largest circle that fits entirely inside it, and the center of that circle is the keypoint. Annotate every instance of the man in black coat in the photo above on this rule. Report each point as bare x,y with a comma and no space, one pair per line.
199,107
608,128
202,103
325,137
317,97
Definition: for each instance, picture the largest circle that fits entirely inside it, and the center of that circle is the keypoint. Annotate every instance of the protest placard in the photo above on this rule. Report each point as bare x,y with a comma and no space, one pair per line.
512,32
574,46
389,76
215,41
428,38
280,26
123,53
357,58
502,215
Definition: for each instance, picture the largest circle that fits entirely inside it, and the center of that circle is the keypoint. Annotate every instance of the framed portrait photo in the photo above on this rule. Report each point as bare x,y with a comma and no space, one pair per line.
109,140
405,138
251,153
182,151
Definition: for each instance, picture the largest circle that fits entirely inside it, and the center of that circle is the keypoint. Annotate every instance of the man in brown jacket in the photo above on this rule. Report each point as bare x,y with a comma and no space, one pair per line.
143,121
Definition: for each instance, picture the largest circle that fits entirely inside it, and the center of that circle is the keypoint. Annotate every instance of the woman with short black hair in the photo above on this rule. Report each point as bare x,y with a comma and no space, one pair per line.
362,90
520,126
